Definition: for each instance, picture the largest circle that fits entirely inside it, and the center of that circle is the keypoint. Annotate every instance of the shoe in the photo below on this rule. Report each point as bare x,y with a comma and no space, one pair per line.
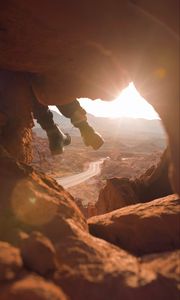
94,140
57,140
91,137
67,139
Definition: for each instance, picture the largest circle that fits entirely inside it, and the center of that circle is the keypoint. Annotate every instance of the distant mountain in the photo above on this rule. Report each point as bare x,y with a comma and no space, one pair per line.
121,127
127,126
61,121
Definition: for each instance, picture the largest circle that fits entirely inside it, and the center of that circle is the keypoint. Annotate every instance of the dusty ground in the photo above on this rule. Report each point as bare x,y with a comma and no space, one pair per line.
125,158
74,159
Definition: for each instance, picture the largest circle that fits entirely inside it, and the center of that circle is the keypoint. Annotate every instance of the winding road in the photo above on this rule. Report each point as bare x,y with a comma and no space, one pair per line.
93,170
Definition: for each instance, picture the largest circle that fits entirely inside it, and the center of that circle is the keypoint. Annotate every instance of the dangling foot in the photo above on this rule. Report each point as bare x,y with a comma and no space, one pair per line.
57,140
90,137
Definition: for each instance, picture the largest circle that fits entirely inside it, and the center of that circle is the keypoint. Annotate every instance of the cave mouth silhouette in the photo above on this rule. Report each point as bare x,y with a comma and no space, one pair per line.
128,104
135,149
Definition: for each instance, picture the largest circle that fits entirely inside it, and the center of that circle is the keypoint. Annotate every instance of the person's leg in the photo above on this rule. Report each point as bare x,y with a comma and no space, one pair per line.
78,118
57,139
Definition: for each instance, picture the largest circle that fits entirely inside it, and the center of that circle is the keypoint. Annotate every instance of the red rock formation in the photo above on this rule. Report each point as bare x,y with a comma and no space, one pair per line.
155,183
71,53
164,264
38,253
10,261
141,228
15,107
85,267
32,287
120,192
117,193
91,210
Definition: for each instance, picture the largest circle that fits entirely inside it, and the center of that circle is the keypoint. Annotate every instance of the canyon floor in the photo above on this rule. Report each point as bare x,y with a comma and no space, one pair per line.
126,157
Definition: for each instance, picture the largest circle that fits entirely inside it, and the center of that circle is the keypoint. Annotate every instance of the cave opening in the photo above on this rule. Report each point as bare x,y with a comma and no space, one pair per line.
134,154
118,237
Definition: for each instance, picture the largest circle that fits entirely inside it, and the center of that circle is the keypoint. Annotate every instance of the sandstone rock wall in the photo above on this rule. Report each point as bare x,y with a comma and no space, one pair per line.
46,251
70,51
120,192
15,108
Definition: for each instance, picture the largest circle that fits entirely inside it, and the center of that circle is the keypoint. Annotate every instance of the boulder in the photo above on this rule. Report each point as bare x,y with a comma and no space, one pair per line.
10,261
38,253
94,269
74,55
86,267
141,228
165,264
31,200
32,287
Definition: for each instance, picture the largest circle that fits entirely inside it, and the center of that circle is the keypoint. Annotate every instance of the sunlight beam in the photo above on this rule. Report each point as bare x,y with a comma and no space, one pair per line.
129,104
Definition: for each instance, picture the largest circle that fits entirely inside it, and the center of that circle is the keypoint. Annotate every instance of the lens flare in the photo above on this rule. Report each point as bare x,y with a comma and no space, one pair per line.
31,204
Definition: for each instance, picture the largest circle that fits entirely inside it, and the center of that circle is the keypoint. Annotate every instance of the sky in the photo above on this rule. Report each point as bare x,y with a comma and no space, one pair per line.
129,104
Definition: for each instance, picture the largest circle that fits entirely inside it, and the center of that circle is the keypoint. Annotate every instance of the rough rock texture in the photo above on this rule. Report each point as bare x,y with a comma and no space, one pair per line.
141,228
155,182
15,108
31,199
117,193
165,264
38,253
32,287
120,192
10,261
89,55
71,53
86,267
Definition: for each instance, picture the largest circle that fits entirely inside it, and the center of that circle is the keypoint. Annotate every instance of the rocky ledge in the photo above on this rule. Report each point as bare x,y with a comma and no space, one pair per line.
47,252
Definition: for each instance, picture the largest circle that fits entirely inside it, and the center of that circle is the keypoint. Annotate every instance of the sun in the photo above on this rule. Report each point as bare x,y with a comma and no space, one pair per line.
128,104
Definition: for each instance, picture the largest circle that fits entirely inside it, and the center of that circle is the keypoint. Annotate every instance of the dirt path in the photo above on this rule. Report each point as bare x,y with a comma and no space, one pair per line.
93,170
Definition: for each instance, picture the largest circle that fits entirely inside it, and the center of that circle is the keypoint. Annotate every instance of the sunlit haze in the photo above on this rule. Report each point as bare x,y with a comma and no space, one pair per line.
129,104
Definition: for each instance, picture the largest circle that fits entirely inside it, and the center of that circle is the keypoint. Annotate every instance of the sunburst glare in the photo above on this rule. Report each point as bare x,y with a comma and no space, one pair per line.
128,104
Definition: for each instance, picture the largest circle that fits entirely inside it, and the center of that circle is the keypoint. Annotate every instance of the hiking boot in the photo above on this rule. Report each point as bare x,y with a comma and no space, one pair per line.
90,137
57,140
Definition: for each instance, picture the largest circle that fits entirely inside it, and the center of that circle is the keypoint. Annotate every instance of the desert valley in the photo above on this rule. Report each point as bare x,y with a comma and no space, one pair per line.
131,147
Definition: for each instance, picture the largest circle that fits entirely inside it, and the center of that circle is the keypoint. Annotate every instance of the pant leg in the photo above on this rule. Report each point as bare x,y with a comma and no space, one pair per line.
73,111
78,118
42,114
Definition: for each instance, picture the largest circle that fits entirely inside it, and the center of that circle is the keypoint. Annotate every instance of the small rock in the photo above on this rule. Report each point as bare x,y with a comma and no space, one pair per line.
32,288
166,264
38,253
10,261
